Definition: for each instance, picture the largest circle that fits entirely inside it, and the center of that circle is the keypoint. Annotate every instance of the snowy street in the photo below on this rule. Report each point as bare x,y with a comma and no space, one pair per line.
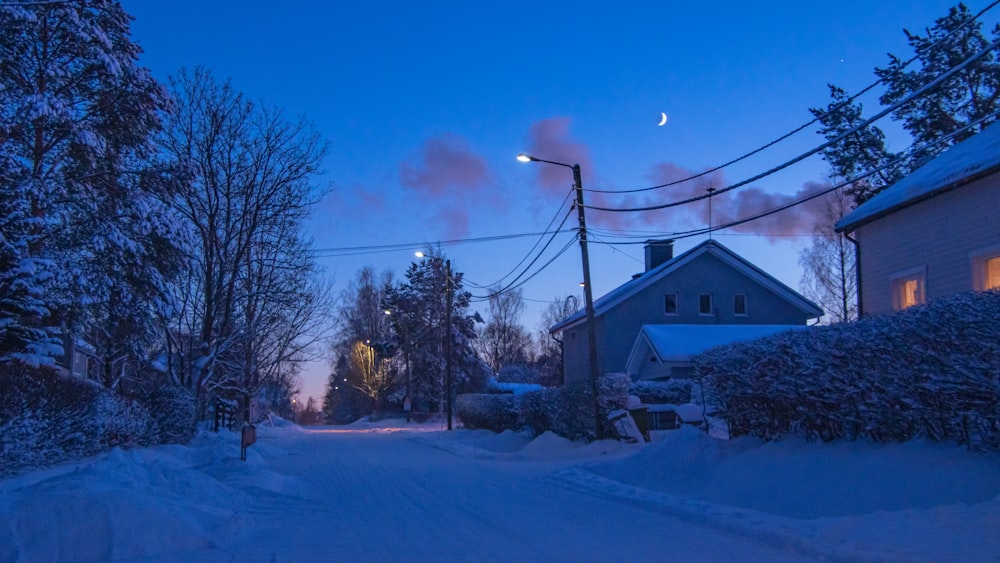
372,492
382,496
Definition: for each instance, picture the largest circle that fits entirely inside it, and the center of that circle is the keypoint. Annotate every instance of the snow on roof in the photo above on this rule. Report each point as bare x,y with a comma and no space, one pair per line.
677,343
637,284
974,157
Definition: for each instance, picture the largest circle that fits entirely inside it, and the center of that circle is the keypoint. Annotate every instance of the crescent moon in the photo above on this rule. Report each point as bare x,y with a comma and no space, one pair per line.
663,119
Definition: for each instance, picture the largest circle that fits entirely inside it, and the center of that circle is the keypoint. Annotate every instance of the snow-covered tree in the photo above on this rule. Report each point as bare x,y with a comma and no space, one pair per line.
422,300
86,243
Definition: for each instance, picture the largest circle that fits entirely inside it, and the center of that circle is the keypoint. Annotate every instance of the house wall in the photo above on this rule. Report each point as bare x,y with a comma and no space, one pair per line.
939,235
704,274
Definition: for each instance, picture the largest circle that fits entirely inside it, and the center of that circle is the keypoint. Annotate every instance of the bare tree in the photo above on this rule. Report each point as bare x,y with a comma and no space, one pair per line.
250,300
503,341
829,269
550,346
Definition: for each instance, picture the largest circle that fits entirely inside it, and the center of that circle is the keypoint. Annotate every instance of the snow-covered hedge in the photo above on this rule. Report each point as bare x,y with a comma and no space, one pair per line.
46,419
174,410
567,411
496,412
931,370
673,391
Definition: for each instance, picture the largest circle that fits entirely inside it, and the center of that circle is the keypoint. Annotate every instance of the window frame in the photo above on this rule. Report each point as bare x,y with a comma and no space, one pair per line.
980,266
677,304
746,305
898,283
711,305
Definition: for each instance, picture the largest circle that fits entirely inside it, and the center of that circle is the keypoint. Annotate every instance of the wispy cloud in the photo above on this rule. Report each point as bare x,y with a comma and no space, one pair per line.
550,139
450,179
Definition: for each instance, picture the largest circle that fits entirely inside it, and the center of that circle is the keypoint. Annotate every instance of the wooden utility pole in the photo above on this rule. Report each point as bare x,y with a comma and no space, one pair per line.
447,337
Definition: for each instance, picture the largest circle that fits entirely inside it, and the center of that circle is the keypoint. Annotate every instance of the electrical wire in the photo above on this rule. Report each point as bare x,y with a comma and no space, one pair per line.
512,283
912,150
533,247
918,93
396,247
793,132
481,298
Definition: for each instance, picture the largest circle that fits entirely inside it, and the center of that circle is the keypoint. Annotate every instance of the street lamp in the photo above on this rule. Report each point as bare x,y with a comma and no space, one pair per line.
588,297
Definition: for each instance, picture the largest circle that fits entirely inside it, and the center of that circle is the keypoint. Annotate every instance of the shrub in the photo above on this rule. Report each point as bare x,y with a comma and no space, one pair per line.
46,419
931,370
174,409
673,391
488,411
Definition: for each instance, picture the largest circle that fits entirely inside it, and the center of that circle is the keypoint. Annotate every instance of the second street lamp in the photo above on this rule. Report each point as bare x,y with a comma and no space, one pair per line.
588,298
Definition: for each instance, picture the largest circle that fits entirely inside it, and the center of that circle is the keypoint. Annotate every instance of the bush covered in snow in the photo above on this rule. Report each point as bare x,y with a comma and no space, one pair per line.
673,391
494,412
174,410
929,371
46,418
567,411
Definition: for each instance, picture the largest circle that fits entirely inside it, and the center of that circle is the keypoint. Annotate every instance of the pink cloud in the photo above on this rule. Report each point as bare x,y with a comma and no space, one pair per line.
726,207
446,164
450,180
549,139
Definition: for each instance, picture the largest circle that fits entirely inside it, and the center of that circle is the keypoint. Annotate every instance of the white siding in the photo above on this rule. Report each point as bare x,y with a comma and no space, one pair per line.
936,234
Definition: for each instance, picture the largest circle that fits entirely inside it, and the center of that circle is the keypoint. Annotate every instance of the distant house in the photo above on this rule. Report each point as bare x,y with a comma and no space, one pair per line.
707,285
665,351
933,233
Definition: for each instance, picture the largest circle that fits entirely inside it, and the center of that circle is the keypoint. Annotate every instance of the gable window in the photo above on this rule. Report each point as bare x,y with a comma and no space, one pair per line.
908,289
670,303
705,304
740,304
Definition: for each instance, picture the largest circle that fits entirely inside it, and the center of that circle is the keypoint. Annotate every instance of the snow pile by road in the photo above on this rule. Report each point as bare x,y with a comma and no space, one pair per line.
851,500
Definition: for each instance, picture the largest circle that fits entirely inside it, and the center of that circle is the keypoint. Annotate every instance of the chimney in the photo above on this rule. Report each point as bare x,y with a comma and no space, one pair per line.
658,252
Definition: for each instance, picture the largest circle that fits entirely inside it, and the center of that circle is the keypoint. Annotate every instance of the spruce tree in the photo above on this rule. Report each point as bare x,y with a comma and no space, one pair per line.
969,95
77,114
859,152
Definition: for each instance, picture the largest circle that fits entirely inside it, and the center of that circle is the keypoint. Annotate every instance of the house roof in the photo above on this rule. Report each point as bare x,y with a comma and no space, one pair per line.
623,292
677,343
972,159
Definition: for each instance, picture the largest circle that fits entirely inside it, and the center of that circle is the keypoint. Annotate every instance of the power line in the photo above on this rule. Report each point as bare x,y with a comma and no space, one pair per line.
836,109
548,228
532,263
913,149
920,92
396,247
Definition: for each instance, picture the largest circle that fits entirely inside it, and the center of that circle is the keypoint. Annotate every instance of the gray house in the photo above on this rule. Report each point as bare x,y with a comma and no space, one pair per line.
707,285
933,233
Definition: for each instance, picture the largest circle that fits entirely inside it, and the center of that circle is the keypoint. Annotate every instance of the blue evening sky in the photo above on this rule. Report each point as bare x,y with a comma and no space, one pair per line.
425,105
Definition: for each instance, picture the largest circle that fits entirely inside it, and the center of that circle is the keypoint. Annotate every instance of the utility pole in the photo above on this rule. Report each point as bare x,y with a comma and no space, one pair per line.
447,342
588,298
588,295
710,190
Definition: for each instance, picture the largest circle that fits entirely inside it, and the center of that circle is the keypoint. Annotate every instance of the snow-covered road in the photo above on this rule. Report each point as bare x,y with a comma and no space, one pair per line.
386,496
377,492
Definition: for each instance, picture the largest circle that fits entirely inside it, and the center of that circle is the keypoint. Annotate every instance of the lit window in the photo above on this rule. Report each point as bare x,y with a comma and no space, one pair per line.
740,304
908,290
705,304
992,273
670,303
